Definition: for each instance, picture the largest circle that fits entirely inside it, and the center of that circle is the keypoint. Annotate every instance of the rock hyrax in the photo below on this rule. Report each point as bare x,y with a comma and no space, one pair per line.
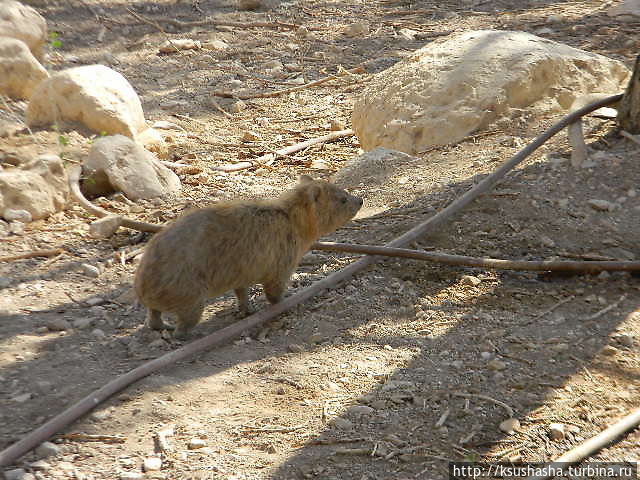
234,245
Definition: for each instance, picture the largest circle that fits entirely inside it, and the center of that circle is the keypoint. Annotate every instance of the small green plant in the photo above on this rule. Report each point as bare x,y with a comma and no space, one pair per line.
62,140
54,40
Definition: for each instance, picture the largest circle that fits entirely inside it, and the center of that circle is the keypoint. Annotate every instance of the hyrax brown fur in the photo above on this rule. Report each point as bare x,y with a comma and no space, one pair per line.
234,245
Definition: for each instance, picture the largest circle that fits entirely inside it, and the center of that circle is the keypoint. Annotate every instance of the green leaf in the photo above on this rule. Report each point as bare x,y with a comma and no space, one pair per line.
63,140
53,35
56,43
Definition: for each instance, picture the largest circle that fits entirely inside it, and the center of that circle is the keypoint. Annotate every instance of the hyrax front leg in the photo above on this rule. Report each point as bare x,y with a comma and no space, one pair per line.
275,290
155,322
187,319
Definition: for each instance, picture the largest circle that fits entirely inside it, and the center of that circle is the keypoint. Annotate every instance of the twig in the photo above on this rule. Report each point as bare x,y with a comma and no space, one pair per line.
553,307
599,313
358,69
154,24
86,437
199,23
75,411
633,138
234,167
508,409
413,449
219,108
273,429
35,253
493,263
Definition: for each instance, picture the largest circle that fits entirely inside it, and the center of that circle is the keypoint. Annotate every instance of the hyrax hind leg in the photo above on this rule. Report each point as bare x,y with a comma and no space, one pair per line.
274,290
155,322
188,317
244,304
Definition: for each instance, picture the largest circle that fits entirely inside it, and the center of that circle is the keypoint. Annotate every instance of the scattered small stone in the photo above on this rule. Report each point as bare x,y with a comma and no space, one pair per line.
40,465
196,443
336,125
237,106
101,415
358,29
609,350
152,464
249,4
359,410
547,242
379,404
295,348
180,44
105,227
556,431
625,340
47,449
5,282
510,426
217,45
343,423
157,343
18,474
57,325
22,398
280,390
130,476
316,338
249,136
98,333
16,215
601,205
17,228
90,270
470,280
559,347
496,365
485,355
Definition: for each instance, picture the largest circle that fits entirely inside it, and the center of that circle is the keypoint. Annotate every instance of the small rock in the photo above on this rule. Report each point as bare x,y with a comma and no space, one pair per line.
609,350
238,106
217,45
152,464
556,431
316,338
343,423
470,280
604,275
94,301
359,410
625,340
249,136
57,325
485,355
170,46
105,227
379,404
98,333
18,474
496,365
101,415
510,426
196,443
40,465
16,215
165,125
601,205
4,228
336,125
47,449
559,347
130,475
22,398
295,348
17,228
249,4
4,282
547,242
90,270
358,29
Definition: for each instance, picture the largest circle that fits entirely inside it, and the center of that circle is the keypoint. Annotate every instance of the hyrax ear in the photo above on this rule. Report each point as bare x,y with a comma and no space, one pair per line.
305,179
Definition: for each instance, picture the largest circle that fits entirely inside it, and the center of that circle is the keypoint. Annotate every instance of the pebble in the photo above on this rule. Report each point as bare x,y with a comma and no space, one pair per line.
359,410
130,476
601,205
343,423
57,325
470,280
17,228
249,4
510,426
496,365
105,227
237,106
358,29
316,338
98,333
90,270
18,474
40,465
295,348
625,340
22,398
179,44
196,443
485,355
152,464
556,431
47,449
17,215
217,45
609,350
249,136
5,282
94,301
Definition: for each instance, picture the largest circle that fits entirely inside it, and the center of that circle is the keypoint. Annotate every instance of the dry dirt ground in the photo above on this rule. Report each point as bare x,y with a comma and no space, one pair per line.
380,377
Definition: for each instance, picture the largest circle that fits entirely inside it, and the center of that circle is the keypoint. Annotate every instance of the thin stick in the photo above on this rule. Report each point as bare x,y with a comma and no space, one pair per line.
489,399
633,138
234,167
199,23
358,69
553,307
492,263
219,108
74,186
591,446
599,313
36,253
75,411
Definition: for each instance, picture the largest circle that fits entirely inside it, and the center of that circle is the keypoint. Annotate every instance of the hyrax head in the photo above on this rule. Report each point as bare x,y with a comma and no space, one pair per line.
333,206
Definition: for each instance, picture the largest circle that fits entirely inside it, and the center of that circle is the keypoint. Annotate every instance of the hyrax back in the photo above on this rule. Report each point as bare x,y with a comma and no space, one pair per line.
234,245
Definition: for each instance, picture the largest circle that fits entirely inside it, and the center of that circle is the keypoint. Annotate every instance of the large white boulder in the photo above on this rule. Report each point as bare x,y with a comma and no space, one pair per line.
95,96
24,23
20,72
117,163
464,82
40,187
